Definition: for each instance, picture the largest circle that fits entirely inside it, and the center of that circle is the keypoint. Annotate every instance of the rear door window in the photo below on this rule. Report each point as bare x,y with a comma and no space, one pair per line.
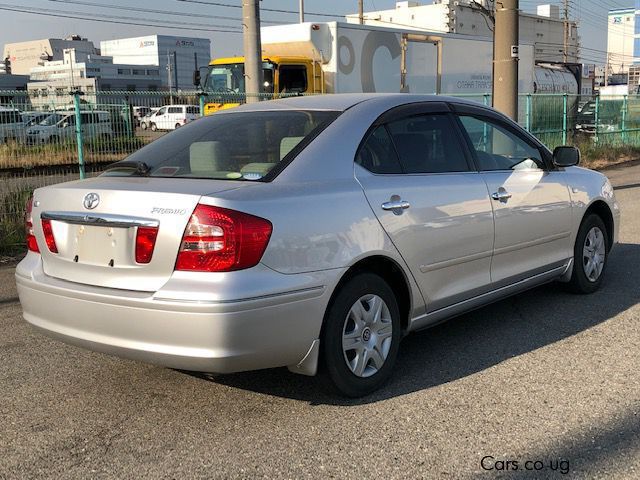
428,143
377,154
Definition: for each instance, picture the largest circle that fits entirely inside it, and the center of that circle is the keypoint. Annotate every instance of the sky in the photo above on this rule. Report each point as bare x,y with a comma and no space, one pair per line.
198,19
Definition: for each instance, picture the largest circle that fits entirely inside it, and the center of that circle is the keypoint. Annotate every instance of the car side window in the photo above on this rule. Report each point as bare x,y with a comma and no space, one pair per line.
377,153
498,148
428,143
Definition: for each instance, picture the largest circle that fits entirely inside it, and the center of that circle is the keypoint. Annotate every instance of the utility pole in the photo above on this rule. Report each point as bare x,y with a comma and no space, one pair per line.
361,12
252,49
301,11
505,58
565,49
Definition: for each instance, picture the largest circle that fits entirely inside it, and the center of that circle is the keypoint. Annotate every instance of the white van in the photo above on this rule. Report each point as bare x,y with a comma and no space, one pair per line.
171,117
61,126
11,125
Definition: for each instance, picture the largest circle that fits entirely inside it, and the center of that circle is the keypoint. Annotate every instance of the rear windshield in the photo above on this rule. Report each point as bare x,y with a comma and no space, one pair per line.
234,146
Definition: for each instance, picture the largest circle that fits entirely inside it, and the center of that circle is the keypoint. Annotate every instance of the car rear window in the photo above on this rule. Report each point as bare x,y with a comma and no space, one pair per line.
233,146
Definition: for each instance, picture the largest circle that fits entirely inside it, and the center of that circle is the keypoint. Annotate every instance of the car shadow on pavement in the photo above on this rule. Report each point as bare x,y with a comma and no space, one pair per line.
475,341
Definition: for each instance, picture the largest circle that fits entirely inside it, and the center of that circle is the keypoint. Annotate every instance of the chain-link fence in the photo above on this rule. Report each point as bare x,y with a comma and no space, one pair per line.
48,138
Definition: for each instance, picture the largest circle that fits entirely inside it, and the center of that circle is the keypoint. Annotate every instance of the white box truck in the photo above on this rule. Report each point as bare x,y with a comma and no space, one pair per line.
336,57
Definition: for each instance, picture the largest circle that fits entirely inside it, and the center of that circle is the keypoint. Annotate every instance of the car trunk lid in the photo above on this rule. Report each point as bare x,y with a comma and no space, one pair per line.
95,223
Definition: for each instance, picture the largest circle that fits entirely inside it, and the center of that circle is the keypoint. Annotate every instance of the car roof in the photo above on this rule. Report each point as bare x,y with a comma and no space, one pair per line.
344,101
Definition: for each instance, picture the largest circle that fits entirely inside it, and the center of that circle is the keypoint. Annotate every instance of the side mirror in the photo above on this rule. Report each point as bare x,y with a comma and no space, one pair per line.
566,156
196,78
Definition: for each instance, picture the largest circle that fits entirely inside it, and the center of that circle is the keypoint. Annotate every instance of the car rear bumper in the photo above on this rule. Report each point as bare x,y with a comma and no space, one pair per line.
211,336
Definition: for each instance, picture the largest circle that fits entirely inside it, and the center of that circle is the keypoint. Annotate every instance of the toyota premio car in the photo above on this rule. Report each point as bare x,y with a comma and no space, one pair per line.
312,233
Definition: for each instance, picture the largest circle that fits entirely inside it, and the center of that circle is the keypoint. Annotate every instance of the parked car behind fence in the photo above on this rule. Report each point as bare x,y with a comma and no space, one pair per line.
60,126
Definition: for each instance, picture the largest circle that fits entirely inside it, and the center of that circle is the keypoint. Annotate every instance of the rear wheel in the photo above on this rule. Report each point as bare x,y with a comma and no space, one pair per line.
361,335
590,256
178,126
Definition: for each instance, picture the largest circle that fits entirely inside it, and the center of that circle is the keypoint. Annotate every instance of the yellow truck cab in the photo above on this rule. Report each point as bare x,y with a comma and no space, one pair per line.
224,85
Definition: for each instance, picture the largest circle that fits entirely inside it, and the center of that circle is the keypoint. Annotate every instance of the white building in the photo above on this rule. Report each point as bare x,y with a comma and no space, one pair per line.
620,40
544,30
176,57
26,55
88,73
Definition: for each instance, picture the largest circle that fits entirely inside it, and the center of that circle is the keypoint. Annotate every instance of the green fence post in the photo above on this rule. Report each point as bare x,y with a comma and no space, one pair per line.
623,121
527,121
79,140
596,119
485,99
128,116
564,119
201,104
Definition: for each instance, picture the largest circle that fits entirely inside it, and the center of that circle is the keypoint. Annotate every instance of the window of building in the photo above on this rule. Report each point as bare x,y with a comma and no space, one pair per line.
105,87
153,72
131,88
138,71
152,88
124,71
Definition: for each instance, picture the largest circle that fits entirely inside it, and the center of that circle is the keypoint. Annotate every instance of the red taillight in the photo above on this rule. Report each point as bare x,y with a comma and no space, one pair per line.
221,240
32,244
145,242
48,236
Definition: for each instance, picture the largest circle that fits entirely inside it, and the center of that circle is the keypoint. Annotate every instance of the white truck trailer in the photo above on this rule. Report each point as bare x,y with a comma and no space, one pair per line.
336,57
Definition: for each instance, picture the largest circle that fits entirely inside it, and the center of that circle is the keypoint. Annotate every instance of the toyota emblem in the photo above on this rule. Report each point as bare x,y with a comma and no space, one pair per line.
91,200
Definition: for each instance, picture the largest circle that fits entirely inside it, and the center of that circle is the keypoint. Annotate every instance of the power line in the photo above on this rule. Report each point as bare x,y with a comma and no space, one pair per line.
275,10
78,16
161,12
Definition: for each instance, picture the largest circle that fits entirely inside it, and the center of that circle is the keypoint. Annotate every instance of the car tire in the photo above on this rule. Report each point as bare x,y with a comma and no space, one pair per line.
590,255
143,126
154,127
351,320
178,126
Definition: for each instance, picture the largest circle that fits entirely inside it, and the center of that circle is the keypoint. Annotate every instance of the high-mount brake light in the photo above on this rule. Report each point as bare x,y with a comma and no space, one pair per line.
221,240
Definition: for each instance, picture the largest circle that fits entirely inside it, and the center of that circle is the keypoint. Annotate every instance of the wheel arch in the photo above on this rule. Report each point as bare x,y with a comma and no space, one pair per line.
395,276
600,208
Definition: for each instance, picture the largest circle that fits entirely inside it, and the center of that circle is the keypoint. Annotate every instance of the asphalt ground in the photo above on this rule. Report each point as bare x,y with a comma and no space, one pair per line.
545,377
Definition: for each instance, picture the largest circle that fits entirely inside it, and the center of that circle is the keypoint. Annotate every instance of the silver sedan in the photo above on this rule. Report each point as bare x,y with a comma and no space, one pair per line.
312,233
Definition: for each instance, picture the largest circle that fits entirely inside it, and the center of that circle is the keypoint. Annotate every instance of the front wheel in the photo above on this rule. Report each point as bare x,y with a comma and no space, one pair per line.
143,125
361,335
154,127
590,256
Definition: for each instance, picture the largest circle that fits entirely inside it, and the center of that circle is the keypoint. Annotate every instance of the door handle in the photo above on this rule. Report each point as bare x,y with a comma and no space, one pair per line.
396,205
501,195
